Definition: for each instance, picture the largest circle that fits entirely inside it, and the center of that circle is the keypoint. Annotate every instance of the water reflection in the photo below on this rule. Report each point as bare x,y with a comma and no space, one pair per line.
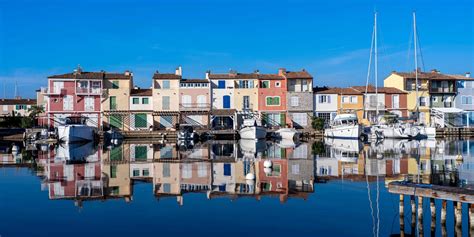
439,171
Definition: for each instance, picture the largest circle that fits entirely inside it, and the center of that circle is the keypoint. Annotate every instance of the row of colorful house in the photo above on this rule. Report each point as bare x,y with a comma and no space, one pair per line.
220,101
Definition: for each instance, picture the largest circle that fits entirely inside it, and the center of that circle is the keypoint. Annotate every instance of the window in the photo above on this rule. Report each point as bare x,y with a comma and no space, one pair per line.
304,84
146,172
166,84
68,102
245,84
423,101
325,99
165,102
145,101
345,99
395,101
227,170
141,153
89,103
467,100
265,84
325,116
294,101
300,119
136,101
166,170
292,86
221,84
277,84
113,102
20,107
353,99
115,84
113,171
246,102
96,86
136,172
116,153
5,108
276,170
115,191
273,100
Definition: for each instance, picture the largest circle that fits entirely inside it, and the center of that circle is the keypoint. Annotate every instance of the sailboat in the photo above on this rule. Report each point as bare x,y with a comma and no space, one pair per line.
381,129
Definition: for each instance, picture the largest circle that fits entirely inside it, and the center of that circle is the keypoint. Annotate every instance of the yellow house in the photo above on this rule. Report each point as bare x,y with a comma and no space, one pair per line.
406,82
349,100
166,99
116,167
115,104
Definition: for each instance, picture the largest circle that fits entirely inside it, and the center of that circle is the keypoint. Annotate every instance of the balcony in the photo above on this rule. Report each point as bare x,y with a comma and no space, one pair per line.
442,90
53,91
88,91
194,106
374,106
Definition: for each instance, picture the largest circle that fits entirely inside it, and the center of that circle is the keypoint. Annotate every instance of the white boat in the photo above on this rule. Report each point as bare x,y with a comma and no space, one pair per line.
187,133
344,126
287,133
428,132
398,131
250,130
252,149
75,133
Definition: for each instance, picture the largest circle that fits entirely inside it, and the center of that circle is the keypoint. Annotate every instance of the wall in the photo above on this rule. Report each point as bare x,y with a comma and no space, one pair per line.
305,101
239,94
159,92
140,105
468,90
272,91
326,107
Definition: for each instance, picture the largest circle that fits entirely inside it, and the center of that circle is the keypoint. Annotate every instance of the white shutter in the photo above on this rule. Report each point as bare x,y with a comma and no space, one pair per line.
89,103
57,86
295,101
68,102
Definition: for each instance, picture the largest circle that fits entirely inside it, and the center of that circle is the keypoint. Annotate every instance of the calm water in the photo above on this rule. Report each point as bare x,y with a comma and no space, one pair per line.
330,188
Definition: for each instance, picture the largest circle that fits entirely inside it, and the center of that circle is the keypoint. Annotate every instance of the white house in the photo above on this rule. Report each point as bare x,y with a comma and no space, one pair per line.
325,103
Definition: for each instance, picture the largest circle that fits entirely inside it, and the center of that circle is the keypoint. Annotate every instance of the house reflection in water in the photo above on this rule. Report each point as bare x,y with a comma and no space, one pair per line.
216,169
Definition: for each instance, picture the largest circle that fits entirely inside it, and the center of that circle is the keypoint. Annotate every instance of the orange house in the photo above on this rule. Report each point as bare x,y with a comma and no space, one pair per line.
272,91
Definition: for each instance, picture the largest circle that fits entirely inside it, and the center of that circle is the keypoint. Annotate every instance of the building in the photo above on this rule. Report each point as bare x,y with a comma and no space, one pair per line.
141,109
81,94
465,97
332,101
195,102
223,114
116,100
299,97
326,103
166,89
18,106
272,103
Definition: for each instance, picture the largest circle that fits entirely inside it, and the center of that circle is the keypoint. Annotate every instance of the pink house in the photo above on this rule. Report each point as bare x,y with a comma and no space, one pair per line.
194,102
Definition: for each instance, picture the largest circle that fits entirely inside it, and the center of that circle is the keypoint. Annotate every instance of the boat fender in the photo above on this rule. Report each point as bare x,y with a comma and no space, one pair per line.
267,164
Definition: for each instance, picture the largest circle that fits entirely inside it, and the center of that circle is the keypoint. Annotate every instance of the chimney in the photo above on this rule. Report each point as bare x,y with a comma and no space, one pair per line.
127,73
136,87
208,72
17,97
468,74
232,72
78,70
179,71
256,71
282,71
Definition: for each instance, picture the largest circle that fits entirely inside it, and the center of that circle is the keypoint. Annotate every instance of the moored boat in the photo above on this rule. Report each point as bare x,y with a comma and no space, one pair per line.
344,126
75,130
287,133
251,130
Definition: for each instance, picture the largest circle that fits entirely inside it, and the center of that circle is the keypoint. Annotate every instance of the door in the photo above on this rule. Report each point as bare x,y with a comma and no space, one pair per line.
113,103
246,104
202,101
226,102
166,121
89,103
140,121
396,101
186,101
165,102
116,121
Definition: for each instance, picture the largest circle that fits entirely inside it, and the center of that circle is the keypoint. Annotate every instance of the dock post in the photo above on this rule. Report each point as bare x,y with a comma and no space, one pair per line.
433,215
402,215
443,213
413,212
458,217
420,216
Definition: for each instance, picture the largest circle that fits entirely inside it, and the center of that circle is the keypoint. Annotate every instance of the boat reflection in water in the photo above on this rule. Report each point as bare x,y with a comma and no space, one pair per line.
436,171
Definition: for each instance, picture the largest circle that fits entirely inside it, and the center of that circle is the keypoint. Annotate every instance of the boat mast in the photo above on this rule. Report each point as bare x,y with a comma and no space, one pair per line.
375,68
416,69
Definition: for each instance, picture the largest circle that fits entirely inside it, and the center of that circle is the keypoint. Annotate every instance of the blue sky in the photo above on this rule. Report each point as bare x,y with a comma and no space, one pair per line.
331,39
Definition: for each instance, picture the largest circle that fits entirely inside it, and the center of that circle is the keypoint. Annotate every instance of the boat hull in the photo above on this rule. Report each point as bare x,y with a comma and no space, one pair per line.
287,133
75,133
253,133
344,132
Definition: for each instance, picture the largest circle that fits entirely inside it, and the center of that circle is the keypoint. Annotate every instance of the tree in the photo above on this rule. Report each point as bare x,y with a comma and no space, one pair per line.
35,110
317,123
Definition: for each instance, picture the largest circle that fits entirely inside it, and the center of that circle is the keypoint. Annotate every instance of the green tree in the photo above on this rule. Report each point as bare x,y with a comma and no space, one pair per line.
317,123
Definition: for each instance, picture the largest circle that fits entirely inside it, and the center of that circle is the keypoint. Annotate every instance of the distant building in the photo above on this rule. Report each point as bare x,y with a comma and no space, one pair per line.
18,106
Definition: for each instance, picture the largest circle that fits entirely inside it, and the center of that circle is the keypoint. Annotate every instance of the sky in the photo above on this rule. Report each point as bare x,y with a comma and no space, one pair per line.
330,39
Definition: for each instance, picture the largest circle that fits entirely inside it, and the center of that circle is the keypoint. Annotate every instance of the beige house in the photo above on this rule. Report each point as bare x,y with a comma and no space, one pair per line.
166,99
116,167
115,99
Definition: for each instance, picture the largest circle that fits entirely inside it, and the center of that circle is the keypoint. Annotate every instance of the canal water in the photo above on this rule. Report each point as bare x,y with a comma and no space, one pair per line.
227,188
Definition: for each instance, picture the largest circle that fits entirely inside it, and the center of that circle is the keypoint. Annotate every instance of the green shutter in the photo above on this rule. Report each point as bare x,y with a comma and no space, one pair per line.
115,84
116,121
145,101
140,121
113,171
135,101
276,100
140,153
283,119
113,103
116,154
269,100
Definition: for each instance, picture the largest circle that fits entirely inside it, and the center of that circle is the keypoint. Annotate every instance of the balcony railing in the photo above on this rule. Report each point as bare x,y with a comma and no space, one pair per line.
374,106
87,90
53,91
194,106
442,90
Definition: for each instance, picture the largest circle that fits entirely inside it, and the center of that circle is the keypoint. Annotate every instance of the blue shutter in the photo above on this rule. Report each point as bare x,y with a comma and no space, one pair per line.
251,83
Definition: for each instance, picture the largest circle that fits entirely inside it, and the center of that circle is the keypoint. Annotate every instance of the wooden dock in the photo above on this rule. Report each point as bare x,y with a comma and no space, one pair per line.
418,193
454,132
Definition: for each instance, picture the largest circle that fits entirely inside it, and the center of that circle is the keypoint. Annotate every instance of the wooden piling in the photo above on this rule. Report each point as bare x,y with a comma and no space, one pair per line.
420,216
457,206
413,212
443,212
433,215
401,209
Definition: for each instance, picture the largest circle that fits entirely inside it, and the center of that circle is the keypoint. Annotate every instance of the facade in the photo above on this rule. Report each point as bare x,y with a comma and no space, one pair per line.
299,97
17,106
465,97
272,102
223,114
326,103
166,99
141,109
194,102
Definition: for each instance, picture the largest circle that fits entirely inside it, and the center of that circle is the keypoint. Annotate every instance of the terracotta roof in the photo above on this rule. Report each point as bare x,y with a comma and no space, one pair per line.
141,92
223,112
17,101
94,75
194,81
234,76
340,91
171,76
431,76
270,77
386,90
303,74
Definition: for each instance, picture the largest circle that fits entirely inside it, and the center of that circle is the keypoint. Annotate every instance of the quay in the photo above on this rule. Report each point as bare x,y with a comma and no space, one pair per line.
419,193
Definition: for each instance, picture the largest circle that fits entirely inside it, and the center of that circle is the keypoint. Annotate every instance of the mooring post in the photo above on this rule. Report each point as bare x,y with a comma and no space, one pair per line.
433,215
457,206
443,213
413,212
420,216
402,215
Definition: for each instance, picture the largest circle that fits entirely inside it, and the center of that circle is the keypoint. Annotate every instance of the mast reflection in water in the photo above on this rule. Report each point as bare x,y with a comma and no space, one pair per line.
318,185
